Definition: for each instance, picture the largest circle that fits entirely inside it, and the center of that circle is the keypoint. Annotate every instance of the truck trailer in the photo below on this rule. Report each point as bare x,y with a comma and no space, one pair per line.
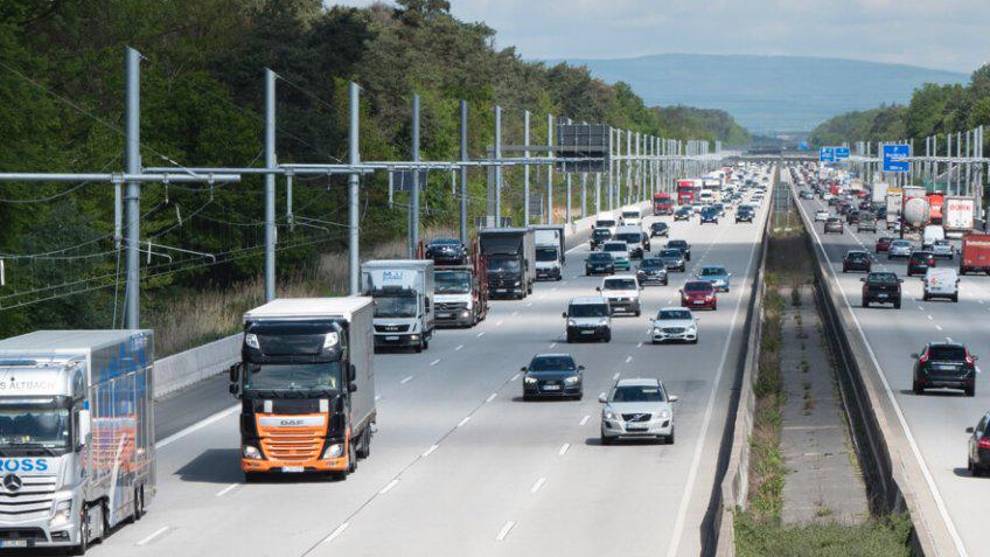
404,305
77,435
306,383
550,257
510,259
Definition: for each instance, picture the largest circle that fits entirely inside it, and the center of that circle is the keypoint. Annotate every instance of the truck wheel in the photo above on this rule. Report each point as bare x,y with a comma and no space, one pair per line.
924,297
83,533
426,344
955,298
364,447
352,461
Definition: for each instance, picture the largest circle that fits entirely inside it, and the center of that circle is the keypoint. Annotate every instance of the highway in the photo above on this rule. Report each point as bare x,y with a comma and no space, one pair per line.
460,465
936,420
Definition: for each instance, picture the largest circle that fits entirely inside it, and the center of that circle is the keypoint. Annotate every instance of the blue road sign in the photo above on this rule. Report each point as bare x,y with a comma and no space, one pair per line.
841,153
826,154
895,158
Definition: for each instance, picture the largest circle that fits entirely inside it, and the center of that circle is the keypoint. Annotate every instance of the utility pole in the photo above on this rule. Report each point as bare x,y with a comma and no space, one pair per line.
270,162
526,169
498,168
550,169
464,172
414,201
567,179
353,240
132,165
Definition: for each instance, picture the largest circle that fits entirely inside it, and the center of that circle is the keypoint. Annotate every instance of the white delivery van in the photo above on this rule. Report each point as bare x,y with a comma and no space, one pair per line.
931,234
940,282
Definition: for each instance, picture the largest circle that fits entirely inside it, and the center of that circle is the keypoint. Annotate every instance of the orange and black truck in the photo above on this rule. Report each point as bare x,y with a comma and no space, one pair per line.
306,384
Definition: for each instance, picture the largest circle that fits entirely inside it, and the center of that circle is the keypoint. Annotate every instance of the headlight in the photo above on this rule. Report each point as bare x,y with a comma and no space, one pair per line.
517,283
657,330
63,513
610,415
330,340
572,380
251,340
603,321
571,323
333,451
251,452
529,380
665,414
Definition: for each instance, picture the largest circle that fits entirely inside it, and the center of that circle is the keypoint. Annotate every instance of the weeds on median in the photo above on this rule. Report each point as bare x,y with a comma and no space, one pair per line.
886,537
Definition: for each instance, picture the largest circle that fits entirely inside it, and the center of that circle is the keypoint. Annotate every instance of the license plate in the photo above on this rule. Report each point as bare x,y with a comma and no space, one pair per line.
392,338
587,332
501,290
293,469
881,296
636,428
13,543
698,302
945,368
551,387
444,315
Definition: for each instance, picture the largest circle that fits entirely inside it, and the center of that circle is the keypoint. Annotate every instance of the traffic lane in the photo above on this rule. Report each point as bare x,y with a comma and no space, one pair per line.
937,419
495,463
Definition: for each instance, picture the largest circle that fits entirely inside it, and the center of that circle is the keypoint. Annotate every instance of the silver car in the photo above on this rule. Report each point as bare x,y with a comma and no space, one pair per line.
943,248
637,409
899,248
674,324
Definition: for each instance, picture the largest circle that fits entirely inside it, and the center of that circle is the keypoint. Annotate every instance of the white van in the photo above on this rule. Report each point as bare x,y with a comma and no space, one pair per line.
940,282
932,233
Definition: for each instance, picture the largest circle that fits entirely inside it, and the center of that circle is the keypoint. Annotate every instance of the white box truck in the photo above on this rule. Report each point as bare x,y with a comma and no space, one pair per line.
77,437
404,304
306,382
958,214
550,258
878,195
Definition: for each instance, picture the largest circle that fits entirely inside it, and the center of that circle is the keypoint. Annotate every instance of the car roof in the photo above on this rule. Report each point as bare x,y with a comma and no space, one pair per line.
588,300
946,343
638,382
622,276
722,267
675,308
628,228
857,252
553,355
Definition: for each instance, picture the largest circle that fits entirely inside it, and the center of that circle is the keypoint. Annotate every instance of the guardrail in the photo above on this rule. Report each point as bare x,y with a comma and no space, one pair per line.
894,476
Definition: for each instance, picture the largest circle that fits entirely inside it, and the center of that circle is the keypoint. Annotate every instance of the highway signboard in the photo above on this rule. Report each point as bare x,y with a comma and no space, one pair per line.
840,153
895,157
826,154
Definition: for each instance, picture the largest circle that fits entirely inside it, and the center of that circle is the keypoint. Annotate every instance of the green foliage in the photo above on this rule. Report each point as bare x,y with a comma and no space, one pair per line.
886,537
61,109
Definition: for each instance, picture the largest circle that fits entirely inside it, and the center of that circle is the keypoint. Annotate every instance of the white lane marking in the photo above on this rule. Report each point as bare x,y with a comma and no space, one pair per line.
515,313
640,345
948,339
378,397
529,304
227,490
406,380
563,449
584,420
336,532
616,376
459,346
504,531
388,487
921,308
514,377
936,494
939,327
430,450
930,318
154,535
463,422
481,334
435,362
536,486
709,410
491,397
553,345
196,427
628,359
499,324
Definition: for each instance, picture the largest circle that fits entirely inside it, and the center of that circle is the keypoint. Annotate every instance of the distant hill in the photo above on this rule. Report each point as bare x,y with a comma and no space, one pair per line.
767,93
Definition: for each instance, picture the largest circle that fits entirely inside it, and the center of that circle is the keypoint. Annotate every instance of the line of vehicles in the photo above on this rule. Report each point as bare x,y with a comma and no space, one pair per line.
930,219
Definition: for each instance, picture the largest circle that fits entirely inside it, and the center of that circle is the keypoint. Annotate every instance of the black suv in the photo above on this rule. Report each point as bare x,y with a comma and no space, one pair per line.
599,236
857,260
659,229
882,288
446,251
944,365
599,262
920,262
683,213
652,269
709,214
681,245
744,214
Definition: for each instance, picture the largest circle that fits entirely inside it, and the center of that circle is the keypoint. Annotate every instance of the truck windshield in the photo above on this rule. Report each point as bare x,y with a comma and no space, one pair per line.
452,282
34,427
395,306
503,265
588,310
293,377
546,254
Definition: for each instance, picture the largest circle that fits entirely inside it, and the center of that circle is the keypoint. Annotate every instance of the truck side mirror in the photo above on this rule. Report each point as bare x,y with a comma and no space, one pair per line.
598,289
351,387
351,372
914,355
564,315
969,430
85,427
672,398
233,388
235,371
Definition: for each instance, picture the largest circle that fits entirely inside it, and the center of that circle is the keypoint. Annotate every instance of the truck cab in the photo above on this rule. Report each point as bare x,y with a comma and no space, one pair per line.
404,305
306,386
550,256
460,298
510,260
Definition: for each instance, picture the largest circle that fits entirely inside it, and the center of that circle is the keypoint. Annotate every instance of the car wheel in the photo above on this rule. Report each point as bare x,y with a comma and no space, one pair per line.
608,336
637,312
917,388
695,341
605,439
843,268
897,304
670,438
866,304
955,298
924,297
971,390
570,339
977,471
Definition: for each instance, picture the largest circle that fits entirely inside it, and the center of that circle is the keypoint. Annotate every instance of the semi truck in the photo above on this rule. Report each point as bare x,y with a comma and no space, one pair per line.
461,292
663,204
306,383
936,201
879,194
404,305
77,435
958,214
688,191
894,205
510,261
550,256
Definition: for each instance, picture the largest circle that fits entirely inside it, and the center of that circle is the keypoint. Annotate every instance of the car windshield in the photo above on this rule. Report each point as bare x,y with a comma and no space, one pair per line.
901,244
452,282
395,306
546,254
941,243
619,284
674,314
588,310
882,278
670,253
628,214
698,287
946,352
712,271
608,223
445,242
677,244
552,363
638,393
649,264
658,225
600,257
23,425
503,265
885,240
293,377
602,233
921,255
856,255
615,247
629,237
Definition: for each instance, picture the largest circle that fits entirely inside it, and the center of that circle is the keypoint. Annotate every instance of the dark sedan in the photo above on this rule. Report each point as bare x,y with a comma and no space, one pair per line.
857,260
881,288
979,447
673,259
944,365
683,213
709,214
919,262
659,229
446,251
652,270
744,214
599,236
599,263
681,245
552,375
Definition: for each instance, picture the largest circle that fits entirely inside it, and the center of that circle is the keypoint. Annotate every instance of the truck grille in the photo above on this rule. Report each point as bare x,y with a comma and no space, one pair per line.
34,496
391,328
298,445
451,306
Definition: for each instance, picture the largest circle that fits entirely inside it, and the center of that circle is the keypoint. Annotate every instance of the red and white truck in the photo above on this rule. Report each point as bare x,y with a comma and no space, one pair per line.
975,255
663,204
958,214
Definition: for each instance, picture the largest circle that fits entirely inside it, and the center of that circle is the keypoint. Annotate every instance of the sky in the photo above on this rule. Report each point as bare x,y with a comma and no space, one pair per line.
940,34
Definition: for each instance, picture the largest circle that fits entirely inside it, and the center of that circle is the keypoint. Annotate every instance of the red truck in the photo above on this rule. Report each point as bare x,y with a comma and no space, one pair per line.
687,191
936,200
975,256
663,204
